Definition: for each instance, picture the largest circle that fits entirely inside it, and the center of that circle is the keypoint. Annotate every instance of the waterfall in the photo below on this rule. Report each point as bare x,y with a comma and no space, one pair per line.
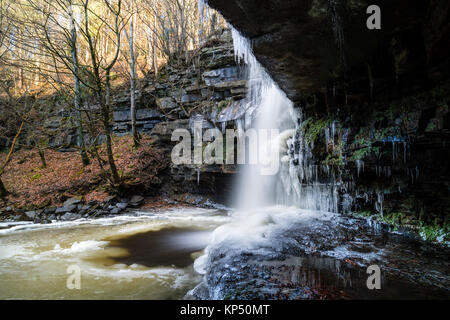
268,108
296,183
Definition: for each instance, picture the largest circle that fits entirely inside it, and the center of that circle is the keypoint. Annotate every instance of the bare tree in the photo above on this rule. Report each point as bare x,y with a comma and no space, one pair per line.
102,88
132,63
76,78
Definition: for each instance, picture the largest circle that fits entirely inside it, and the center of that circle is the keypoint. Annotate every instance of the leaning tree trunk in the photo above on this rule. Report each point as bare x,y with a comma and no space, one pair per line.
3,191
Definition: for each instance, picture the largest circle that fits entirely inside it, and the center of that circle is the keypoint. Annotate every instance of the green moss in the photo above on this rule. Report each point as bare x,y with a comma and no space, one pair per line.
35,176
312,128
360,154
333,160
434,232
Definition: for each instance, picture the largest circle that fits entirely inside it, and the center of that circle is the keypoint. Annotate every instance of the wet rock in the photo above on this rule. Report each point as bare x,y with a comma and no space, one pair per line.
49,210
136,201
69,216
109,200
122,205
71,201
230,85
65,209
100,213
31,214
86,207
115,210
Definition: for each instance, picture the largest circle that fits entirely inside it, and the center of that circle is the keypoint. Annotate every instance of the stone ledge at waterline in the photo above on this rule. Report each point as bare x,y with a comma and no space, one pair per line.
73,209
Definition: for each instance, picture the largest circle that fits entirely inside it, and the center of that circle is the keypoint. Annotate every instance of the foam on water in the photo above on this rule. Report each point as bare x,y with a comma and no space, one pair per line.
34,258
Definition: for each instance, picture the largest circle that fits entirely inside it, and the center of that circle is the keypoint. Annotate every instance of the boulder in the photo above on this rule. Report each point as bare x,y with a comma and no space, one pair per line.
86,207
31,214
136,201
49,210
69,216
122,205
115,211
66,209
71,201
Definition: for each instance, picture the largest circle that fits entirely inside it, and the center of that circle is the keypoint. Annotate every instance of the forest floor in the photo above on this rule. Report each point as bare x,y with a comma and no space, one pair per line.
31,185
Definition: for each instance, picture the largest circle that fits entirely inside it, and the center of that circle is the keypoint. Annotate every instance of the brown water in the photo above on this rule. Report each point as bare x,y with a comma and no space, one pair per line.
282,253
128,257
171,247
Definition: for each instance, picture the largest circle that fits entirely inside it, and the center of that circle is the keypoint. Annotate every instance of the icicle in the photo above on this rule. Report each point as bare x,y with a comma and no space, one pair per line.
358,166
333,132
224,126
327,137
380,202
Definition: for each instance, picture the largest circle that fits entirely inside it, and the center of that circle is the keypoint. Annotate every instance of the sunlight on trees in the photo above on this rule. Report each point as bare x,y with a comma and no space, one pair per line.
81,49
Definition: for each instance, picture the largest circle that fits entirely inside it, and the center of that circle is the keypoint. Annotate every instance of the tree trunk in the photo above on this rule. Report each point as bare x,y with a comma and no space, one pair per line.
105,102
106,127
133,81
81,144
3,191
42,156
155,51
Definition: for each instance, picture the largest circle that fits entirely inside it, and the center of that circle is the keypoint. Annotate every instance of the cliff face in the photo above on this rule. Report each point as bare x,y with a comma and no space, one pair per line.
375,101
308,45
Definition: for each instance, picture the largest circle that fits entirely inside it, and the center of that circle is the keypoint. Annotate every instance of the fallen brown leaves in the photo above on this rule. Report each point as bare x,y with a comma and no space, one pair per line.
65,176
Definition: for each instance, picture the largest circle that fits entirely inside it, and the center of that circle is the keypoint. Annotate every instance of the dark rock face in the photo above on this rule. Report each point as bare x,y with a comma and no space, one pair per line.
380,95
323,258
307,44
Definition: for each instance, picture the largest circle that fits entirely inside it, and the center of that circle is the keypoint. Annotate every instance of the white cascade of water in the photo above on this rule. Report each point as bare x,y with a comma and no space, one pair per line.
270,109
296,183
